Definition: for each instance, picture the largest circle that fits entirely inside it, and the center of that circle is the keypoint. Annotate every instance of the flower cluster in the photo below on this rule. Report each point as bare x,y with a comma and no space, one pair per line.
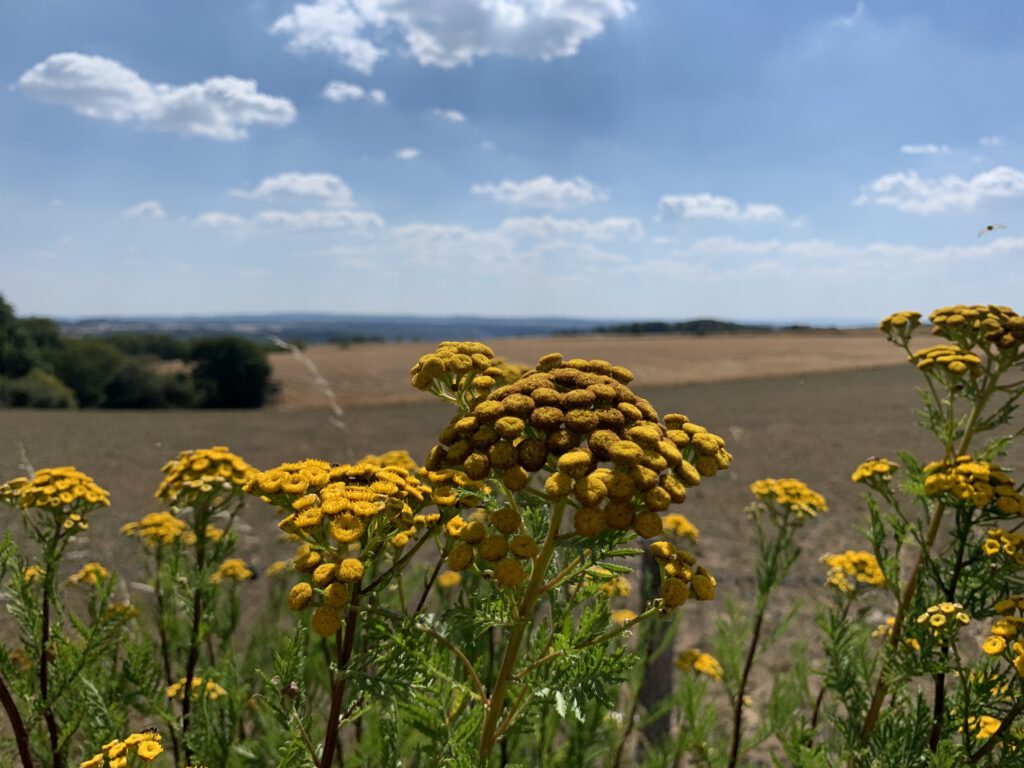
1007,632
460,365
396,458
791,495
983,726
115,754
62,490
683,578
568,418
979,482
850,569
679,525
234,569
874,470
884,630
90,574
1000,542
700,662
163,528
197,473
338,511
495,537
947,357
971,325
900,325
944,619
208,688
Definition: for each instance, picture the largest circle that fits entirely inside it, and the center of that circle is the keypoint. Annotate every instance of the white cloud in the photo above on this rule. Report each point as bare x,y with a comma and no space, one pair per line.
320,219
324,186
220,220
447,34
543,192
852,19
548,227
339,91
906,191
451,115
407,153
707,206
992,141
925,149
146,208
217,108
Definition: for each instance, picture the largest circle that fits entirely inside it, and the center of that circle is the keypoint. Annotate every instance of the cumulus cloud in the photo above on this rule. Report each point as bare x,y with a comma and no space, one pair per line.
324,186
310,219
543,192
451,115
925,149
339,91
548,227
219,108
407,153
147,208
908,192
449,33
992,141
708,206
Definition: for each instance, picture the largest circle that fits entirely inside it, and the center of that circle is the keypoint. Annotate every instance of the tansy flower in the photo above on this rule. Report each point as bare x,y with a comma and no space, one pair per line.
232,568
850,569
700,662
90,573
623,616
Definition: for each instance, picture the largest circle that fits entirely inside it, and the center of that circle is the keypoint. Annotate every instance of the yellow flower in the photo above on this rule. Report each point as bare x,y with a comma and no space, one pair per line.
679,525
90,573
326,621
300,596
202,471
994,645
232,568
852,568
790,494
700,662
449,579
509,572
149,750
984,726
32,572
623,616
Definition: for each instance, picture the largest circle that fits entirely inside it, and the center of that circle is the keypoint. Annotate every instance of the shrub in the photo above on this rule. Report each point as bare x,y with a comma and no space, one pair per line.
230,372
38,389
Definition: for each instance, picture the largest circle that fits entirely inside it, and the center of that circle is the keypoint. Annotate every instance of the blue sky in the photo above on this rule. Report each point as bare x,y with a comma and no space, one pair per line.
596,158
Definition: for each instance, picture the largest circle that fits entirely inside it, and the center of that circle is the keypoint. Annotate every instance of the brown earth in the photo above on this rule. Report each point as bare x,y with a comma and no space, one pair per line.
364,374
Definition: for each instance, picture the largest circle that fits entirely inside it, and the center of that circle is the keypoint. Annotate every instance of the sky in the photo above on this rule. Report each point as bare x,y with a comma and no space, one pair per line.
799,160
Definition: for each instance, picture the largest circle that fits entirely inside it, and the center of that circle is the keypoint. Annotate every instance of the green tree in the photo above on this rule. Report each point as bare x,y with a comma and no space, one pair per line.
230,372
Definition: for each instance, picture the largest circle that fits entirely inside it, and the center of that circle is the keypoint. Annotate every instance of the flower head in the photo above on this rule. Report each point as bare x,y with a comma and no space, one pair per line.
789,495
90,574
693,659
214,472
64,491
851,569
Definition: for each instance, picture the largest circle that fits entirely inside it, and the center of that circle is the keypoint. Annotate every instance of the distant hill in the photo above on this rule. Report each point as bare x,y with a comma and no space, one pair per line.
313,328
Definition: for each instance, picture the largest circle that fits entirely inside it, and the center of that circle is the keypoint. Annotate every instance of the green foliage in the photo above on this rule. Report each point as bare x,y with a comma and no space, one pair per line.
36,389
230,372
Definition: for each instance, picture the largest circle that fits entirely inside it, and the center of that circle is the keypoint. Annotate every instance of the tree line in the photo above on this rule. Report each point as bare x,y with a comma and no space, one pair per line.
40,367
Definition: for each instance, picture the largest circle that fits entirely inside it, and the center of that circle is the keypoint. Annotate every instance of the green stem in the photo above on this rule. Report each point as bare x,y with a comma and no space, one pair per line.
193,643
17,725
499,693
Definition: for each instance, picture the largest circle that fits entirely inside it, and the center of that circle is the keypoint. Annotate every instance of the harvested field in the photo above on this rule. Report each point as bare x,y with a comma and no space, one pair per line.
379,373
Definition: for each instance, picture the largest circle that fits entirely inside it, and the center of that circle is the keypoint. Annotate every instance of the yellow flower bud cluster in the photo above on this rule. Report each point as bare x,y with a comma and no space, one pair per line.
334,510
497,538
979,482
162,528
65,491
983,726
696,660
971,325
395,458
32,573
1007,631
848,570
603,448
874,470
203,471
949,358
461,365
90,574
679,525
944,619
900,325
449,580
234,569
115,754
682,578
208,688
791,495
1000,542
451,488
885,630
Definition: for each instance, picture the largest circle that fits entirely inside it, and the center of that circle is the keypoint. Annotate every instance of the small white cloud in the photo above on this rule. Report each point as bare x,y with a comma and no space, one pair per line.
320,219
407,153
852,19
906,191
150,208
326,186
217,108
451,115
339,91
925,149
543,192
454,33
992,141
708,206
220,220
